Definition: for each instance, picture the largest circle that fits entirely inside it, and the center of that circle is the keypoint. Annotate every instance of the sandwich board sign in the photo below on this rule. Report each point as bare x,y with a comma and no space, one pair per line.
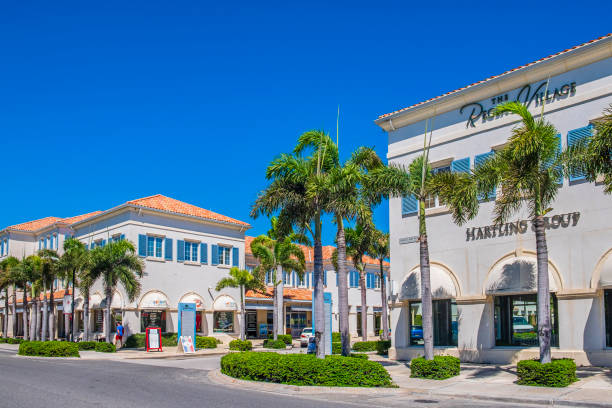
327,312
153,339
186,345
187,320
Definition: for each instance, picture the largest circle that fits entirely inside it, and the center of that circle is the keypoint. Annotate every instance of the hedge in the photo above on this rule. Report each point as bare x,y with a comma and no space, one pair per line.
336,347
440,368
3,340
48,349
284,337
87,345
103,347
206,342
557,373
14,341
337,337
274,344
304,369
168,340
382,346
360,355
241,345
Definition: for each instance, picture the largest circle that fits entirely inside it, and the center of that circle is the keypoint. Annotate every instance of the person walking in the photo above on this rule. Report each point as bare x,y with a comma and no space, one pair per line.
119,335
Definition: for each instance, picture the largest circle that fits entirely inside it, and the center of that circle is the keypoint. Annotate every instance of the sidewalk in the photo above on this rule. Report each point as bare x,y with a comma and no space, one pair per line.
476,381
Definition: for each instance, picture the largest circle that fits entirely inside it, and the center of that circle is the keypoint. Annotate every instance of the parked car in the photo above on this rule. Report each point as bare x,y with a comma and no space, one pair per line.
312,346
305,336
416,332
521,325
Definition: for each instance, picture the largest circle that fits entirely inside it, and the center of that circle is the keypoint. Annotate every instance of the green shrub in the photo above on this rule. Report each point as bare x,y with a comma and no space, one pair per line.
286,338
240,345
304,369
337,337
206,342
87,345
48,349
3,340
382,346
105,347
364,346
138,340
440,368
360,355
336,347
218,341
14,341
557,373
274,344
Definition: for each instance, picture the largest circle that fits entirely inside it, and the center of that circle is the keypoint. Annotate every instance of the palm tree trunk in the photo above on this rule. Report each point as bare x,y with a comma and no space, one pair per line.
544,326
426,303
319,305
280,302
26,325
275,312
86,316
384,303
51,313
107,312
343,306
243,312
37,319
364,306
45,315
32,319
72,311
14,311
6,313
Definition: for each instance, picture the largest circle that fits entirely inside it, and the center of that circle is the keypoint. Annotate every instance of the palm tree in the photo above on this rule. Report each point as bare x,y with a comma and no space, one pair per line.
85,282
116,263
26,271
288,194
35,324
274,256
73,260
7,281
359,241
48,272
593,156
245,280
380,250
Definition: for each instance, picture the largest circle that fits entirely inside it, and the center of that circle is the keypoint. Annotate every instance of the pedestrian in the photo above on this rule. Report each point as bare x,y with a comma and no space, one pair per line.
119,335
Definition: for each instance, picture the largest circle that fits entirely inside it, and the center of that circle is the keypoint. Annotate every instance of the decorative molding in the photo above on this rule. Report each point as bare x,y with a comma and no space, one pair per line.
577,294
471,300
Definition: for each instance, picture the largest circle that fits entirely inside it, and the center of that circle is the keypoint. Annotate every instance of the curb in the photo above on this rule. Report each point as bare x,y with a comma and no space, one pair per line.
217,377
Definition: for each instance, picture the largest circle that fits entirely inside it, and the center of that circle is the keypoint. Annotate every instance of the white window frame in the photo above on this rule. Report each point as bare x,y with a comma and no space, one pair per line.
436,199
224,250
192,245
155,239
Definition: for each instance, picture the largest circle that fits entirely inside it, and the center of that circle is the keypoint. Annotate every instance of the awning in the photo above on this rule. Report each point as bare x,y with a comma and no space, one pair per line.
299,308
517,275
153,300
442,285
224,303
258,307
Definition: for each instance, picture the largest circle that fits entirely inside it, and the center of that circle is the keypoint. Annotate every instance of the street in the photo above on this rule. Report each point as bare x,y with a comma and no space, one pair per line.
29,382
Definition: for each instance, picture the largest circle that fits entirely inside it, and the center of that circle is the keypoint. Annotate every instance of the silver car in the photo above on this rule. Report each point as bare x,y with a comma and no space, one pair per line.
305,335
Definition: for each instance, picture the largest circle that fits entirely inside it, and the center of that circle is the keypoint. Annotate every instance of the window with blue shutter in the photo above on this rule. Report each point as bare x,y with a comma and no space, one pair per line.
168,249
325,278
203,253
214,254
410,205
180,250
235,256
479,159
103,242
121,237
92,245
142,245
461,165
573,137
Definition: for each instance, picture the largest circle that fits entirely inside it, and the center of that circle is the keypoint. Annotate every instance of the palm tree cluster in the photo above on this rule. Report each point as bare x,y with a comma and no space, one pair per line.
36,276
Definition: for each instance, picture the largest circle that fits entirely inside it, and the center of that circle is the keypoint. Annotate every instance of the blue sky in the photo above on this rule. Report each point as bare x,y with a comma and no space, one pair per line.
104,103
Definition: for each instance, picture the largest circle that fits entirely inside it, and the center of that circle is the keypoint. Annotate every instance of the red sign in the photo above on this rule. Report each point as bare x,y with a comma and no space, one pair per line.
153,339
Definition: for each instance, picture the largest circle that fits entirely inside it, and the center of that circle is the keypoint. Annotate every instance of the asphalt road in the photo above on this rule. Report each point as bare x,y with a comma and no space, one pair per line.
32,383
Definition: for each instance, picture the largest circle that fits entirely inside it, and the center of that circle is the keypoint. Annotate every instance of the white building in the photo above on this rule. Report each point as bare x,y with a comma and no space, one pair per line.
484,276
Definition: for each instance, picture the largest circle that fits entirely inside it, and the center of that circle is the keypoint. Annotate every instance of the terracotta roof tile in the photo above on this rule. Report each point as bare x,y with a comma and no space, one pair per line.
288,293
36,224
167,204
496,76
57,294
72,220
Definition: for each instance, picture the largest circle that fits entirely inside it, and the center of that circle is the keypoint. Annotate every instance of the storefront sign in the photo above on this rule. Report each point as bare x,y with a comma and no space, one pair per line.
67,304
521,227
409,240
187,320
153,339
528,94
186,344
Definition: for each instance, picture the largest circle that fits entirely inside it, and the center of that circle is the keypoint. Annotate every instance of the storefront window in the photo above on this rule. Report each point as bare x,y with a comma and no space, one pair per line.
295,322
153,318
516,321
377,323
444,316
608,312
223,322
98,320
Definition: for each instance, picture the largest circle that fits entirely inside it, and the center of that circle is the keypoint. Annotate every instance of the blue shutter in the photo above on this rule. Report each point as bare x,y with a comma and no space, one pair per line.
325,278
92,245
461,165
573,137
180,250
203,253
142,245
235,256
168,245
121,237
409,205
103,242
368,280
214,252
307,279
478,160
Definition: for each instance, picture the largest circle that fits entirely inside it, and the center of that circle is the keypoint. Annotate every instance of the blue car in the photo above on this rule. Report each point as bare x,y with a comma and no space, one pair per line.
312,346
416,332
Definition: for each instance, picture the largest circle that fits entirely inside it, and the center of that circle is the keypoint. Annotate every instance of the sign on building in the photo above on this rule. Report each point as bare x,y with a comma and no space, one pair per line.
186,320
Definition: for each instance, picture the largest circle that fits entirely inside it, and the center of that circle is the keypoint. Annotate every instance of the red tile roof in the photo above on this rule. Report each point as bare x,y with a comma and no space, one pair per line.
308,251
497,76
167,204
57,294
288,293
36,225
72,220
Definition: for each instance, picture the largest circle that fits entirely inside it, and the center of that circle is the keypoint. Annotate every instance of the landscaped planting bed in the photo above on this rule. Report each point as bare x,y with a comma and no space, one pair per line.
241,345
87,345
169,340
380,346
303,369
105,347
283,337
440,368
274,344
557,373
48,349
